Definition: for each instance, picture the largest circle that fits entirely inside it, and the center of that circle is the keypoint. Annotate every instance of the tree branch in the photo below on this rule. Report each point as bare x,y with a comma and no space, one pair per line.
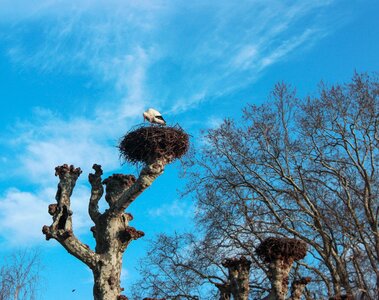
96,192
61,229
148,174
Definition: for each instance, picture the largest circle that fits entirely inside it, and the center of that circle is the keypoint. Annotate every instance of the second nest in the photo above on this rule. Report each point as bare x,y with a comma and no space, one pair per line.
149,143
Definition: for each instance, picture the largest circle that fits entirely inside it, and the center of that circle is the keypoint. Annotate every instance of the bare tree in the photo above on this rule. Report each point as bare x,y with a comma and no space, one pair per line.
154,146
20,275
304,169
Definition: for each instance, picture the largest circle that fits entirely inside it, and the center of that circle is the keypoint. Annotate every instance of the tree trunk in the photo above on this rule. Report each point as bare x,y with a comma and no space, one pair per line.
279,270
113,234
107,281
239,276
298,287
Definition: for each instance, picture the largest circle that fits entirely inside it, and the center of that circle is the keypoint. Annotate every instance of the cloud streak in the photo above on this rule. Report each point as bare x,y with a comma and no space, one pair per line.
139,46
22,214
170,55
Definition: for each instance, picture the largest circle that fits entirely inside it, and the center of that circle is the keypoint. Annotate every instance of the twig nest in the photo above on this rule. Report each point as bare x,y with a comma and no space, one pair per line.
272,249
150,143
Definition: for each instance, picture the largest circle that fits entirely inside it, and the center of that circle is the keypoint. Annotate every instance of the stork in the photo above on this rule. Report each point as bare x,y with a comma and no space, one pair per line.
154,116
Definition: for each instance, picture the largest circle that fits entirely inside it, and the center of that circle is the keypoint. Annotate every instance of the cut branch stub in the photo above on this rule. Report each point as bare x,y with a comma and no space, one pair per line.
129,216
148,144
272,249
130,233
93,229
68,176
298,287
224,290
95,178
52,209
46,232
116,185
236,263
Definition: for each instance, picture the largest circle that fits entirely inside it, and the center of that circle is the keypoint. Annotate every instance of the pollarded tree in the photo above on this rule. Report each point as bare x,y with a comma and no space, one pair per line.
155,147
279,254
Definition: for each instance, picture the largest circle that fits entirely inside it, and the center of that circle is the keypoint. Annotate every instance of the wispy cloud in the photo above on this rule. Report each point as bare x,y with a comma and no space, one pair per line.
164,54
175,209
190,49
23,213
48,140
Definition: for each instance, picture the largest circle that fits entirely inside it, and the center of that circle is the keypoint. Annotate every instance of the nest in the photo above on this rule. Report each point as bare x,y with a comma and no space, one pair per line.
148,144
281,248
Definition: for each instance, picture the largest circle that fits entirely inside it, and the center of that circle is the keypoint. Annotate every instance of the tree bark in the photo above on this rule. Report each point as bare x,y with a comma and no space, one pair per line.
111,231
239,276
279,270
225,293
298,287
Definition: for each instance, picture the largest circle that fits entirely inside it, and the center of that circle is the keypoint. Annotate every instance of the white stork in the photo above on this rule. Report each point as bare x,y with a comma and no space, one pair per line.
154,116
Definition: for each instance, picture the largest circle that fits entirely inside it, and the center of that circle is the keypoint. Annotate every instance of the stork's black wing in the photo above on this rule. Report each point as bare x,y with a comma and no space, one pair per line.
160,118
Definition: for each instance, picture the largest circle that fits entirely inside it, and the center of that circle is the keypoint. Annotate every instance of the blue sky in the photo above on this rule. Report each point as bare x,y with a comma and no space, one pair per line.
76,75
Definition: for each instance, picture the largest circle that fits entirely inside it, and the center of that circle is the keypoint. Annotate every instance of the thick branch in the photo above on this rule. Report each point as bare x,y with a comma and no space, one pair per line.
96,193
73,246
225,292
61,229
298,287
148,174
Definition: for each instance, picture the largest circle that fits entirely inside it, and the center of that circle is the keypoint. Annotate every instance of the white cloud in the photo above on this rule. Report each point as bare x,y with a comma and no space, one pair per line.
50,140
22,214
308,36
173,56
245,55
176,208
213,46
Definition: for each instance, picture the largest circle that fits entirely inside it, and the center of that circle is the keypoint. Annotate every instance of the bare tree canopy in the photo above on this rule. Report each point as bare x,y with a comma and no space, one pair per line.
292,168
20,276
